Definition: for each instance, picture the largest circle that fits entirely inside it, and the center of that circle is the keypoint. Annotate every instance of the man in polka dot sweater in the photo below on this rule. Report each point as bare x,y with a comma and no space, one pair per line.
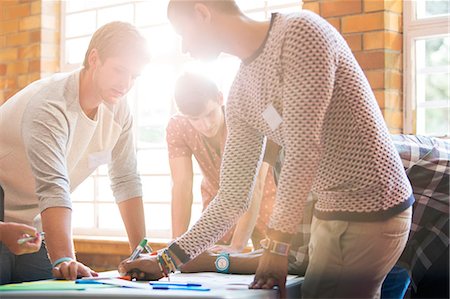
199,130
300,86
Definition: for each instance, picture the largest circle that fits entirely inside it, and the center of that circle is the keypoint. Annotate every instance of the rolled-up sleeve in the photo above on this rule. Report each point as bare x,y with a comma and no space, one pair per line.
125,180
45,131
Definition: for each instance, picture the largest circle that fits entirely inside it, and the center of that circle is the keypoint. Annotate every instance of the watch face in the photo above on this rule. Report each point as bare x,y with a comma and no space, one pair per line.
222,263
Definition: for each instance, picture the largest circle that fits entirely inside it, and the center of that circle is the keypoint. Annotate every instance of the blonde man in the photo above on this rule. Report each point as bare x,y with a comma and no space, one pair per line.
54,134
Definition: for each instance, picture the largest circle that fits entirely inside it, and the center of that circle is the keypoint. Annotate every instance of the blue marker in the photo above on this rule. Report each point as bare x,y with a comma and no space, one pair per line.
178,284
179,288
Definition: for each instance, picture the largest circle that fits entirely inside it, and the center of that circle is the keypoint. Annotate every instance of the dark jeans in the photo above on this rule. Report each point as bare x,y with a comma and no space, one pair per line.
27,267
396,283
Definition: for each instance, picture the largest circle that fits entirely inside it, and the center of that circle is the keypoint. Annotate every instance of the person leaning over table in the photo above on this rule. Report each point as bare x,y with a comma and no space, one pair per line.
300,86
199,130
426,161
54,134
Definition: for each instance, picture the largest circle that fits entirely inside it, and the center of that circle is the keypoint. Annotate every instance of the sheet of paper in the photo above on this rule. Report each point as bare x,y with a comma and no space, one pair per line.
214,278
49,285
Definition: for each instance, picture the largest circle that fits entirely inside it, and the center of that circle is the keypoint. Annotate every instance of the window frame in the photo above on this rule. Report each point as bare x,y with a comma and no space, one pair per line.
261,7
413,30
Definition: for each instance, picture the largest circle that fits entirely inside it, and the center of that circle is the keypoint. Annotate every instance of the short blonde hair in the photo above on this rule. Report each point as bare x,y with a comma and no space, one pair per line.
116,37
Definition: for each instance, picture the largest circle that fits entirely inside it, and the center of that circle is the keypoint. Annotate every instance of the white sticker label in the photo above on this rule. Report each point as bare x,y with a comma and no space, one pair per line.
99,158
272,117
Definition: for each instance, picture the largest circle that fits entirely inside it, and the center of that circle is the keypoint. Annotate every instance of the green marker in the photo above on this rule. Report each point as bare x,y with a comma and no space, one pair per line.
139,249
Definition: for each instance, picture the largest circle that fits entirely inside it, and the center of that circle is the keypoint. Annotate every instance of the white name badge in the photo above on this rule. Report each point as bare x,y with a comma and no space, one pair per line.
99,158
272,117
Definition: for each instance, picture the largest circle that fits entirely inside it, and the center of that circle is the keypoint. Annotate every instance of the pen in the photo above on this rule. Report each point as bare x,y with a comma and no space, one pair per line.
126,277
180,288
178,284
31,238
143,244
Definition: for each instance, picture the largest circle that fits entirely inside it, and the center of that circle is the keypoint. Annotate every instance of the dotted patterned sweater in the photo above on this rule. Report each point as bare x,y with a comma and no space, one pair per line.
304,90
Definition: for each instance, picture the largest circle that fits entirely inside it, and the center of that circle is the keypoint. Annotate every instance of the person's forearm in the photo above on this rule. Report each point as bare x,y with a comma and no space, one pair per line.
57,224
246,224
239,263
181,210
132,212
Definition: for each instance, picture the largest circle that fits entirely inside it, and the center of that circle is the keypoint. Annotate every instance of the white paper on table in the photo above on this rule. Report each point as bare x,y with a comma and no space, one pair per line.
213,278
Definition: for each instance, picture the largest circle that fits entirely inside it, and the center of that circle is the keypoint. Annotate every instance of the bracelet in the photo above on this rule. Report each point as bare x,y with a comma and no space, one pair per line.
61,260
277,247
162,266
168,260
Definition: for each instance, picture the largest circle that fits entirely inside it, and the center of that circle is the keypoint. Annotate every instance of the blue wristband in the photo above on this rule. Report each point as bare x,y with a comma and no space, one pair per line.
61,260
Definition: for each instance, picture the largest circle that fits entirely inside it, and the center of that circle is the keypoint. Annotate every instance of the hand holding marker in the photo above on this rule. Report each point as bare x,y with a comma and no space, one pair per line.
138,250
136,273
30,238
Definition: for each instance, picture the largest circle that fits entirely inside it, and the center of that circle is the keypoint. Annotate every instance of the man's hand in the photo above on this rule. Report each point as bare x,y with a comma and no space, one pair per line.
71,270
11,232
272,271
144,268
226,248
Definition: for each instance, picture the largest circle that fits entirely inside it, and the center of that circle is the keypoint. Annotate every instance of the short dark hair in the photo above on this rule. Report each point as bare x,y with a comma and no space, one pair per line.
192,93
225,6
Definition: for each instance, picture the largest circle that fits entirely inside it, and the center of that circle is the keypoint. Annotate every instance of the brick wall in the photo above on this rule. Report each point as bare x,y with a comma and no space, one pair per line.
373,30
29,43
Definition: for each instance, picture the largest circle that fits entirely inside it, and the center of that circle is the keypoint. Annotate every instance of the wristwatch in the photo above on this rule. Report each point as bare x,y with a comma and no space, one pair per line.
277,247
223,263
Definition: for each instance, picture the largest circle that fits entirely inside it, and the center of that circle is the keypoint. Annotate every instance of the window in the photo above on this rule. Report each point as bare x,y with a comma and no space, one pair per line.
427,67
94,210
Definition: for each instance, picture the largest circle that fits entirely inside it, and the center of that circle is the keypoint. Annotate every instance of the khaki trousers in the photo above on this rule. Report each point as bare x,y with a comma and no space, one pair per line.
351,259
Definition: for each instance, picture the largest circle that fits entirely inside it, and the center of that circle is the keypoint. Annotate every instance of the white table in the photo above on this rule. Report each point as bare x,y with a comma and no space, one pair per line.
223,286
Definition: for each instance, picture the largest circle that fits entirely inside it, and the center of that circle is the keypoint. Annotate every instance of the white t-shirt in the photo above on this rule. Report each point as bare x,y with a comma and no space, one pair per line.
48,146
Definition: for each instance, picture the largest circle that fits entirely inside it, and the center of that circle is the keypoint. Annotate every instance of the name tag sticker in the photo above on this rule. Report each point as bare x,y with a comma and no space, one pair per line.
272,117
99,158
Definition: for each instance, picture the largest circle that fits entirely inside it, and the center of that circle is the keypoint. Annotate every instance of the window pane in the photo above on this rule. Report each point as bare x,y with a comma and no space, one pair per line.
77,5
432,8
85,191
437,51
163,42
437,87
83,215
157,216
156,188
435,121
153,161
432,85
258,15
80,24
122,13
76,50
151,12
104,189
283,2
154,108
286,10
109,217
196,213
197,191
248,5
